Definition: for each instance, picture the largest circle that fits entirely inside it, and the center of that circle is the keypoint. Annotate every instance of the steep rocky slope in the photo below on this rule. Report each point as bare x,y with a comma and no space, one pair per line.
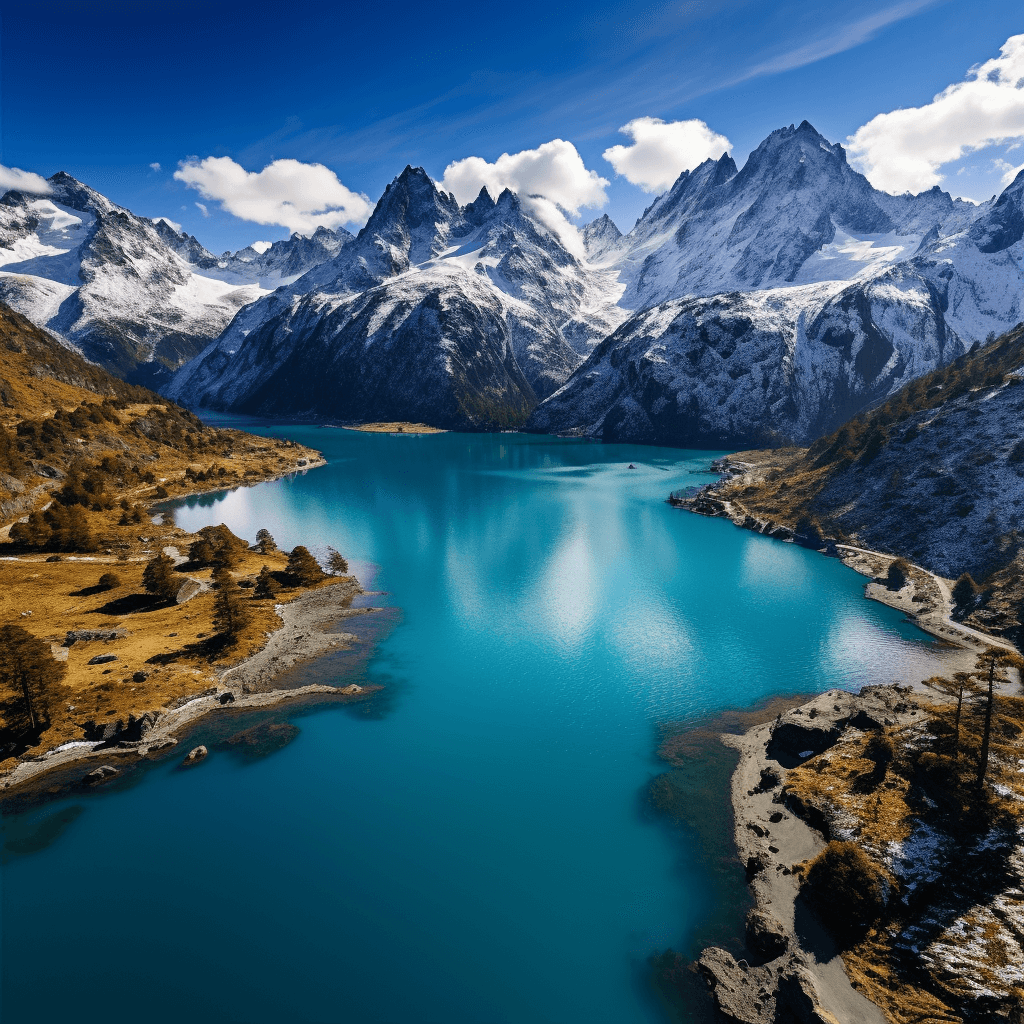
457,316
935,474
777,300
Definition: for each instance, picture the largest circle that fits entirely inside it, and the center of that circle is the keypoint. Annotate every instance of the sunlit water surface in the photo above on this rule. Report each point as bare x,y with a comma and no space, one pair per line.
476,846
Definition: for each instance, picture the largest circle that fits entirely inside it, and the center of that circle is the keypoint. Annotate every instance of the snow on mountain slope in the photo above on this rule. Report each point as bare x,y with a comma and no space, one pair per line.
910,281
795,213
753,368
103,280
276,264
466,269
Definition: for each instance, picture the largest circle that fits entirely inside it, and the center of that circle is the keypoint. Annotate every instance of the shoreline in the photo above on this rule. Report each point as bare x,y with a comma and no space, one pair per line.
302,636
807,970
925,600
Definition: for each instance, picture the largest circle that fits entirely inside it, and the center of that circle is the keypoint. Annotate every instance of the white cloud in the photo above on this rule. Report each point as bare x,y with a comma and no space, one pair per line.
554,170
203,210
1009,171
171,223
661,150
24,181
551,182
154,166
905,149
295,195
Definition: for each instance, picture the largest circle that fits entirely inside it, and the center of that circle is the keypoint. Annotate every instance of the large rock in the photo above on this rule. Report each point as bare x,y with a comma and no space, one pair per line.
816,726
766,935
798,999
194,756
741,993
104,773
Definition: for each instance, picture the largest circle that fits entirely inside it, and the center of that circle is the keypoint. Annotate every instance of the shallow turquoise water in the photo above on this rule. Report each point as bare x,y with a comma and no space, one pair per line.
478,848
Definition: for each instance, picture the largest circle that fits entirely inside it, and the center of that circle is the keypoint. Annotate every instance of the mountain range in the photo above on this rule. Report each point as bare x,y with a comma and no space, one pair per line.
753,305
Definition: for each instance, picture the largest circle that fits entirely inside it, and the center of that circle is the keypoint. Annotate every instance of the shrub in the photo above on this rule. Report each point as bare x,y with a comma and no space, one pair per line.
158,577
899,573
266,585
846,889
965,591
218,546
110,581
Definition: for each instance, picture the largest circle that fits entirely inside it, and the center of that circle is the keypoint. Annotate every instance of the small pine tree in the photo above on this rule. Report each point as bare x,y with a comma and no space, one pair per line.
230,613
31,676
158,577
965,591
303,567
898,575
265,543
266,585
991,667
336,562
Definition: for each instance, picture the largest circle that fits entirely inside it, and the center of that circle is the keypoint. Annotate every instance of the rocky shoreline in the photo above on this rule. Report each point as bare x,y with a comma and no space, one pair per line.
792,970
304,634
925,598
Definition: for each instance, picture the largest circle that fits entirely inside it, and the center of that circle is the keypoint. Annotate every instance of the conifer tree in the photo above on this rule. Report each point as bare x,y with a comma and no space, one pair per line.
993,664
303,567
230,613
158,577
266,585
336,562
31,675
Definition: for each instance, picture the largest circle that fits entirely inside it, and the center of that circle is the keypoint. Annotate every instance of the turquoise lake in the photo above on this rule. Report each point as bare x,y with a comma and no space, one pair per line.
474,845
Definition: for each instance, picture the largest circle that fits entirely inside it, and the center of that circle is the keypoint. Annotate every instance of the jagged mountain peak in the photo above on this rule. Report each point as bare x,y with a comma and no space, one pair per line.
69,191
600,236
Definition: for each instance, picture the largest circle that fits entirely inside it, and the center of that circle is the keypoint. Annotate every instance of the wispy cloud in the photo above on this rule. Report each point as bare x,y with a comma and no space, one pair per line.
23,181
845,37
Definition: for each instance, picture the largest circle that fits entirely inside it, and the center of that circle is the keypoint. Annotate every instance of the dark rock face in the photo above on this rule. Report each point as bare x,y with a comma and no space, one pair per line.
766,935
743,370
1003,225
102,659
394,328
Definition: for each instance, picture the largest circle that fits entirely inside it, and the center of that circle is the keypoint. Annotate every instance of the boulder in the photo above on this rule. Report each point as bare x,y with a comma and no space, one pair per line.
742,994
102,659
766,935
798,997
187,591
227,698
75,636
139,677
137,728
352,688
194,756
104,773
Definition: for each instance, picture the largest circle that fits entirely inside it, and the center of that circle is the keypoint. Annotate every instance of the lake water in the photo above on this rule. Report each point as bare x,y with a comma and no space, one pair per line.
474,846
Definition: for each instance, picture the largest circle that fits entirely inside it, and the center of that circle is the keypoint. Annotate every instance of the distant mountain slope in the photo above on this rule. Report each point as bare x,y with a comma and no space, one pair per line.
935,474
132,294
456,316
38,375
865,291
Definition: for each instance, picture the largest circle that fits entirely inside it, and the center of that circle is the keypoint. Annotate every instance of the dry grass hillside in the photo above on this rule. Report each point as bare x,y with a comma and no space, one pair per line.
83,457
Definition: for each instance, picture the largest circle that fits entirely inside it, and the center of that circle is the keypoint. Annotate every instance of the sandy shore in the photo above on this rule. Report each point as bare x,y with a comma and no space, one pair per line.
302,636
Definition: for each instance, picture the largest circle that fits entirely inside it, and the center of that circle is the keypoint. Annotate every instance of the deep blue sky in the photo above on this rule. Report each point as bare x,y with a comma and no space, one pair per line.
104,89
